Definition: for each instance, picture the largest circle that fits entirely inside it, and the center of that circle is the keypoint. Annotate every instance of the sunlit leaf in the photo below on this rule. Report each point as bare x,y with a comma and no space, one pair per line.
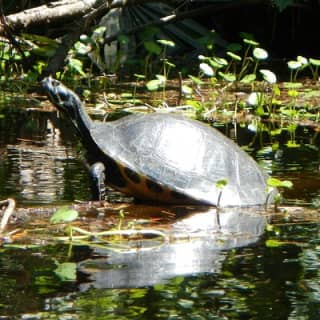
221,183
268,76
315,62
196,80
302,60
156,84
66,271
277,183
186,90
273,243
234,56
251,42
81,48
139,76
293,65
206,69
167,43
227,76
76,65
260,53
248,78
64,214
220,61
255,98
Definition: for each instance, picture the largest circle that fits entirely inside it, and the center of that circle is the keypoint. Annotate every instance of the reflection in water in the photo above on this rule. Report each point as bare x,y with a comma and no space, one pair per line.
39,170
38,164
195,246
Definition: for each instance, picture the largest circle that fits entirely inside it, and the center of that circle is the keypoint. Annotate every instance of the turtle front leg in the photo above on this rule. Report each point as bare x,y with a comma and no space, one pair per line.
97,172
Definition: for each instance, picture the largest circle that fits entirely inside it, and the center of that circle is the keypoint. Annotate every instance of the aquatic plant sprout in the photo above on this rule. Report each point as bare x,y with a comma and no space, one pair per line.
206,69
268,76
260,54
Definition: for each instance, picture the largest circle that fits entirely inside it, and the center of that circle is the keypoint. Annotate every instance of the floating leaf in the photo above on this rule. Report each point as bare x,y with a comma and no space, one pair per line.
64,214
66,271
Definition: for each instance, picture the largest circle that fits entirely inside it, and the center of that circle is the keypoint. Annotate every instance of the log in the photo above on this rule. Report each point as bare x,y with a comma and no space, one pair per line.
61,10
46,14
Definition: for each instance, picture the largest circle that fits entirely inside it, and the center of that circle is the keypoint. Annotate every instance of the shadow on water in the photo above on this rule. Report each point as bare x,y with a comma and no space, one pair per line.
237,264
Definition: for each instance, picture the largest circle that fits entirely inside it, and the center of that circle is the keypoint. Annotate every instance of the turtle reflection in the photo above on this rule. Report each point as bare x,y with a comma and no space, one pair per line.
197,246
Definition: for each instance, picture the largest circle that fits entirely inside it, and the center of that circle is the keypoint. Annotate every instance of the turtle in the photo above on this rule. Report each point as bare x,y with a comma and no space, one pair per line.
163,157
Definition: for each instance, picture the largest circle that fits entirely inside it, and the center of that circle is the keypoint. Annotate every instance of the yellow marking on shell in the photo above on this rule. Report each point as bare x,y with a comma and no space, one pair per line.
142,191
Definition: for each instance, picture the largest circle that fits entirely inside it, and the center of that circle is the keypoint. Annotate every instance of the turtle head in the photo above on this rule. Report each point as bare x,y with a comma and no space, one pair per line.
68,102
62,97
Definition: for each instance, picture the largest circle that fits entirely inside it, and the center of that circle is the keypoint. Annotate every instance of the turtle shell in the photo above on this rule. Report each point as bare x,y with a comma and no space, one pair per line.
170,158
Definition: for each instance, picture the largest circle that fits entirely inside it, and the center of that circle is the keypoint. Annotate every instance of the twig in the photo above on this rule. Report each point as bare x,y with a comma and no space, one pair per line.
11,204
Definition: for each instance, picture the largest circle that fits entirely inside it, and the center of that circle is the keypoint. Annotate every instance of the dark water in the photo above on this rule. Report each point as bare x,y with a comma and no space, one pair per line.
244,266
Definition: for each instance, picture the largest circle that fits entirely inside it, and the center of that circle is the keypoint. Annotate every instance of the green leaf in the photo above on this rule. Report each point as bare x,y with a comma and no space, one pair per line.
293,65
302,60
186,90
283,4
220,61
277,183
66,271
220,184
152,47
248,78
196,80
234,56
167,43
251,42
315,62
255,98
139,76
227,76
260,53
272,243
268,76
81,48
76,65
206,69
235,47
154,84
64,214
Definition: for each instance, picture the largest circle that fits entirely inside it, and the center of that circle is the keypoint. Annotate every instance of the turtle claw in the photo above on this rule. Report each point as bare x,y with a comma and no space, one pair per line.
97,172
